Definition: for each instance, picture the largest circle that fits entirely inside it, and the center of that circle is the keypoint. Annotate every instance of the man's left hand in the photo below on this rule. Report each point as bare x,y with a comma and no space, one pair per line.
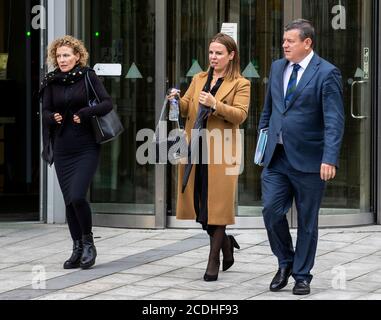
327,172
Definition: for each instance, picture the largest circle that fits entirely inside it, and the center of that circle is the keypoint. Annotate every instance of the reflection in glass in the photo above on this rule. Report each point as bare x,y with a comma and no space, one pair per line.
260,40
342,41
124,32
191,24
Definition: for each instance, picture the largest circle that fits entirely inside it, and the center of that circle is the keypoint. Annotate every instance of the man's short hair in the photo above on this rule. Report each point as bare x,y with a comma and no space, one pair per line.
305,27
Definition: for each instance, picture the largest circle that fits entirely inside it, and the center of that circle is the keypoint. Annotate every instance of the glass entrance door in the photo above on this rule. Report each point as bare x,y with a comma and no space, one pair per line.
344,38
19,112
191,24
159,49
260,28
123,32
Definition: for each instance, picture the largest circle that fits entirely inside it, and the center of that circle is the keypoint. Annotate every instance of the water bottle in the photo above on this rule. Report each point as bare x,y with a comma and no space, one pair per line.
174,111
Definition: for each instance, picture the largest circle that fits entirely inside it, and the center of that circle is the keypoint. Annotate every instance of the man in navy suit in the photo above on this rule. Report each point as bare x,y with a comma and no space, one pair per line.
305,116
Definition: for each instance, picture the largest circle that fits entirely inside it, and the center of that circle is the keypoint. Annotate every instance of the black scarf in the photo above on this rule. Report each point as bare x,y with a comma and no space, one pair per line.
63,78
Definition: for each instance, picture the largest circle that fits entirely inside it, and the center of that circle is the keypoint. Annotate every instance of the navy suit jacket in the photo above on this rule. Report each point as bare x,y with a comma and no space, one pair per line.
312,125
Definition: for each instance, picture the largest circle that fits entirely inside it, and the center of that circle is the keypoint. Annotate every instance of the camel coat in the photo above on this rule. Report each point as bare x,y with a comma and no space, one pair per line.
224,149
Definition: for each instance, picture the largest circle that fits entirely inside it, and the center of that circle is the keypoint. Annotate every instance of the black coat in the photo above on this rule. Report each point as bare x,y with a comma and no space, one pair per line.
70,100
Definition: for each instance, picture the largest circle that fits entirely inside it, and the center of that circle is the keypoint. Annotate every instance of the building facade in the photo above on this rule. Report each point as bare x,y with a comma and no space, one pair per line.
161,44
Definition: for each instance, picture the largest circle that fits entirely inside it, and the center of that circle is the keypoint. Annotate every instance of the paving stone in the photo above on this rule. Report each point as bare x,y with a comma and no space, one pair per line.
64,296
92,287
150,269
333,295
338,258
331,245
357,248
9,285
360,285
235,277
371,277
285,294
257,249
372,296
249,258
251,239
351,270
344,236
177,261
172,236
135,291
374,241
202,285
163,281
176,294
169,264
23,294
107,297
186,273
371,259
121,278
7,266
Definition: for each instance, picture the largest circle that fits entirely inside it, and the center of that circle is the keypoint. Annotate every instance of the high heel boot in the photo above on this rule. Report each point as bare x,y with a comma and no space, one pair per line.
228,252
74,261
89,252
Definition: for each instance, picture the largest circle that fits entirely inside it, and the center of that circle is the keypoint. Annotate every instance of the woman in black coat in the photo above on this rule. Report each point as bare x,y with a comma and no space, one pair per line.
66,122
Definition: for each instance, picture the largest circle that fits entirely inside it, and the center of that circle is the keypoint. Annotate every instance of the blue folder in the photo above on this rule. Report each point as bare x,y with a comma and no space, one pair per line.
261,147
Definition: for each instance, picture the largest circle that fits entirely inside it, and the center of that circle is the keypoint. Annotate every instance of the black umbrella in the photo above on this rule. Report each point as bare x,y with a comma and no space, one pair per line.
193,148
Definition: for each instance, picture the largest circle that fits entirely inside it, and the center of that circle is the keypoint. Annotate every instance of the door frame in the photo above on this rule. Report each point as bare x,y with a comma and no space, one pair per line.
377,118
121,215
151,216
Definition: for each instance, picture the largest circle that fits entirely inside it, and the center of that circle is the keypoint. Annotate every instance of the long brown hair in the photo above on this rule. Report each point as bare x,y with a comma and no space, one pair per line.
233,70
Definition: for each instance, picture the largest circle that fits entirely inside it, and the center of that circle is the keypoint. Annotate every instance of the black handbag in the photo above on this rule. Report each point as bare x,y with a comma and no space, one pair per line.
172,147
106,128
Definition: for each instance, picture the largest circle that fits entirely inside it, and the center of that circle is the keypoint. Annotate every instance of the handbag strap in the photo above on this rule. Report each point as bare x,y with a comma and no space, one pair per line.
87,83
87,89
161,118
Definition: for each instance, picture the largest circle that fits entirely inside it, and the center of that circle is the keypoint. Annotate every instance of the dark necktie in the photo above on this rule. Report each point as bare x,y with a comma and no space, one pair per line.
291,87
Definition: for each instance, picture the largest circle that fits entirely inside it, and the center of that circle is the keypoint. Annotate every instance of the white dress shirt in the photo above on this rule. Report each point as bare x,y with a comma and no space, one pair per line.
287,73
286,78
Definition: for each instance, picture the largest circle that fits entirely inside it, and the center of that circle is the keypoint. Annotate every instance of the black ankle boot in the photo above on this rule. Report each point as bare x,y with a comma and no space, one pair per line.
74,261
89,252
228,250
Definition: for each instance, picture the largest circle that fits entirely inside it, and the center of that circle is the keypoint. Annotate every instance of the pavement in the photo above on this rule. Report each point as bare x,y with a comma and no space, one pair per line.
169,264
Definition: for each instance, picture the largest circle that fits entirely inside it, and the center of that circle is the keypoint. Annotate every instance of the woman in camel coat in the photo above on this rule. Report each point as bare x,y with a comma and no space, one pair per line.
209,196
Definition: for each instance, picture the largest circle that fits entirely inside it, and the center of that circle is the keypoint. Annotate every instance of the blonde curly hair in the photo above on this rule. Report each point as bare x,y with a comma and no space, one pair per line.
71,42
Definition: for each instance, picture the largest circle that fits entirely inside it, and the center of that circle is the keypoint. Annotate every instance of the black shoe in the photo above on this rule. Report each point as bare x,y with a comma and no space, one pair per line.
89,252
211,277
208,277
280,280
226,264
74,261
301,287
